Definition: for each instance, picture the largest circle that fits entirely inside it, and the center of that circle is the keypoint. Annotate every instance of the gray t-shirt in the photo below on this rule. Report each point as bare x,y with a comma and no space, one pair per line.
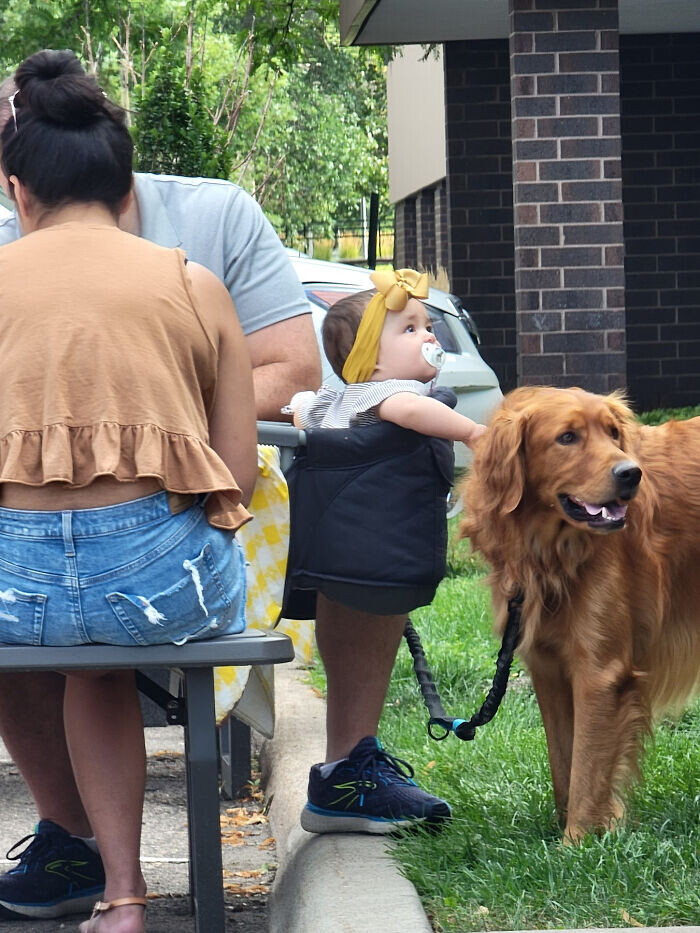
220,226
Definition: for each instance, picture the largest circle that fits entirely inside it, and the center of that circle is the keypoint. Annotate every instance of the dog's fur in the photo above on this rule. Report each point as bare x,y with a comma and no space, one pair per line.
611,615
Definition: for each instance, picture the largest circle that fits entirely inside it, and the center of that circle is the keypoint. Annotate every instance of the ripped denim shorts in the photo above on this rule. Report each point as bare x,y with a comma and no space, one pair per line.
128,574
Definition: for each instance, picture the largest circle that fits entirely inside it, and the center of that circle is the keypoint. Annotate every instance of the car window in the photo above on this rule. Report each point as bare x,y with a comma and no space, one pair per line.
323,296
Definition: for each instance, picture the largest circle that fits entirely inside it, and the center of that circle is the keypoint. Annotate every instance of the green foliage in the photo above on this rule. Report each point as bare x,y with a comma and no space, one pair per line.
195,76
659,415
327,135
173,132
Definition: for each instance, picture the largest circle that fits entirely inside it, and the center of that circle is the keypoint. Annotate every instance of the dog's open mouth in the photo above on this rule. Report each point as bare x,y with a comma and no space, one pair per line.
609,515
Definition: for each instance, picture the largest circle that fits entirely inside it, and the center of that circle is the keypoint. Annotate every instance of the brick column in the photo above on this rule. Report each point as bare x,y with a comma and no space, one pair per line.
441,242
405,234
569,274
425,229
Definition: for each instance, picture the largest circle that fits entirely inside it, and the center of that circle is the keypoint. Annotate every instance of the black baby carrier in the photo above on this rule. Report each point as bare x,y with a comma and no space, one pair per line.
368,524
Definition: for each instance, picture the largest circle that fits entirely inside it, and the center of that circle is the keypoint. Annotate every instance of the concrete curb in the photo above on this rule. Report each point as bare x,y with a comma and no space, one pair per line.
345,882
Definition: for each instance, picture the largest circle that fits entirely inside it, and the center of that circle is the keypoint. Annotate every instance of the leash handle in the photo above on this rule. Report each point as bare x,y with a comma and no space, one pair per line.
440,725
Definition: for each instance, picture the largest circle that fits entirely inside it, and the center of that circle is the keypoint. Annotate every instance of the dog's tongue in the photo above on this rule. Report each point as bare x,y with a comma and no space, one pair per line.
612,510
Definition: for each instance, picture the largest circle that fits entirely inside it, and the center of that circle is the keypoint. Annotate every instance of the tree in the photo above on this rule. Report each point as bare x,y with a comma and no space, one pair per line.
258,91
174,132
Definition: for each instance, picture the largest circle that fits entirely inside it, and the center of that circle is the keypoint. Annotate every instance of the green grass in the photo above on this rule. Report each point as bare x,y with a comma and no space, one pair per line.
500,865
665,414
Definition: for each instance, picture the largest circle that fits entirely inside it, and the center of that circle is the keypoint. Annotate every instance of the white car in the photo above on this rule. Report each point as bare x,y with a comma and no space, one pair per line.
464,371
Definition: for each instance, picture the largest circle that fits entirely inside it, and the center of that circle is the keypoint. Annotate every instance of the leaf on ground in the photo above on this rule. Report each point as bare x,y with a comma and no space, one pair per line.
317,692
247,888
267,843
235,816
233,838
629,920
256,818
165,753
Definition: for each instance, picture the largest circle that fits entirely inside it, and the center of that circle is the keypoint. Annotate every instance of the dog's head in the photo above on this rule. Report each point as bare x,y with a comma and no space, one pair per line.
554,455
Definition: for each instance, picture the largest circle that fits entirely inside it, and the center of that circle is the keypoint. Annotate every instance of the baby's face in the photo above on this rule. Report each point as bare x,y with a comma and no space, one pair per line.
401,344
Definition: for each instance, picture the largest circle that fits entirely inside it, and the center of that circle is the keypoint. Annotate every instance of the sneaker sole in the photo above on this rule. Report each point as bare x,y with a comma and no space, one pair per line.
74,905
319,821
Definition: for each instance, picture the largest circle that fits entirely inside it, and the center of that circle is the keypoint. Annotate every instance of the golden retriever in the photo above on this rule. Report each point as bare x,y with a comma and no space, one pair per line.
596,519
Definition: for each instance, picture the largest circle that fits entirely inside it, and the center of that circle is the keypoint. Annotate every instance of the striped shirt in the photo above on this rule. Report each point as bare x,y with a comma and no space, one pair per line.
355,404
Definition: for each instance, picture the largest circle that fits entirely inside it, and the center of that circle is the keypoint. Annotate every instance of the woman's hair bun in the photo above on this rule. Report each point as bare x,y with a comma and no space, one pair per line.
53,86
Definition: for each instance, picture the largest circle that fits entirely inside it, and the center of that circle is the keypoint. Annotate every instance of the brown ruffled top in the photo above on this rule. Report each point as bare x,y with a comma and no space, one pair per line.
108,369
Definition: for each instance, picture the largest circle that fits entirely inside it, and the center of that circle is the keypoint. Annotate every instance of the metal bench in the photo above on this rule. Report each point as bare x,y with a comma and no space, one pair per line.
196,660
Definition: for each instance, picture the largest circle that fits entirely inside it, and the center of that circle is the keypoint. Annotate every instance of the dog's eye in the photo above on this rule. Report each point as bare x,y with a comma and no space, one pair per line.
568,437
614,433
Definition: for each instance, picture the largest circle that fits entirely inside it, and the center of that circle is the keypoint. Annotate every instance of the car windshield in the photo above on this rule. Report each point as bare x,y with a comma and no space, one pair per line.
323,296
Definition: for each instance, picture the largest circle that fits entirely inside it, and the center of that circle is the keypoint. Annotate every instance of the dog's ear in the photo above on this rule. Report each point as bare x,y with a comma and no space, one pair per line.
623,414
499,461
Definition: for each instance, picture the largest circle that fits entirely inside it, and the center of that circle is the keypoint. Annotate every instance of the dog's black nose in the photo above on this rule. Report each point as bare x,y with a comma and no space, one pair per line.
627,476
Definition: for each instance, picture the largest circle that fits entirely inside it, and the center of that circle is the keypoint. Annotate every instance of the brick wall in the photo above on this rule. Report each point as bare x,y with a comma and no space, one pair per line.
660,167
480,194
569,274
661,192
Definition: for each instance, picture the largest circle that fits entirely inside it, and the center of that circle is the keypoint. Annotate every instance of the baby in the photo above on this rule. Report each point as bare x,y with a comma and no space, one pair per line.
382,346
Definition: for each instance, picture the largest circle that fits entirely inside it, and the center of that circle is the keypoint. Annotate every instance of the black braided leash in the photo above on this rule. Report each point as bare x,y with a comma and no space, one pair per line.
440,724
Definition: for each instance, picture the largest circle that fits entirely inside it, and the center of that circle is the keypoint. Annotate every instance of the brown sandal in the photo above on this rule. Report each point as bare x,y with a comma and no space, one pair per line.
101,906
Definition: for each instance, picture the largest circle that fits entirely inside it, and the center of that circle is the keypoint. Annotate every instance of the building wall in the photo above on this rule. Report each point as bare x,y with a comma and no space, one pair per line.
480,194
661,195
415,90
660,110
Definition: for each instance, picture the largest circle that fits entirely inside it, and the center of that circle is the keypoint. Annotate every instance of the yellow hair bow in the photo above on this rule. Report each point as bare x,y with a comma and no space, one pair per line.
393,291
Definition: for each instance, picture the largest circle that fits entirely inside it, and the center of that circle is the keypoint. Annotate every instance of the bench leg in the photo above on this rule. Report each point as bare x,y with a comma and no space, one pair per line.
234,747
206,868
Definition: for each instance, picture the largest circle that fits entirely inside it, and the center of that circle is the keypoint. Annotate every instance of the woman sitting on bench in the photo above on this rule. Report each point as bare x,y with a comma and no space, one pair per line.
127,441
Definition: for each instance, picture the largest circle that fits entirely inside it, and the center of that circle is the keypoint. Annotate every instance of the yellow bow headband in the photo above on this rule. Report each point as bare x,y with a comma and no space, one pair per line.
393,291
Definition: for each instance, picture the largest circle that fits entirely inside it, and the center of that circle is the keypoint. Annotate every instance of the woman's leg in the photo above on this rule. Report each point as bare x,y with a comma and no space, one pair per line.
104,730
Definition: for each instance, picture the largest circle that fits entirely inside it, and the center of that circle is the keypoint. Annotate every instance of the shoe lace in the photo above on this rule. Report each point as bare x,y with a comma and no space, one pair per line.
379,761
39,843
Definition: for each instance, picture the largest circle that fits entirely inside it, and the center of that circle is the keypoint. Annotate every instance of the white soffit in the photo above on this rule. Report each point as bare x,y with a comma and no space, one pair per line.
401,22
415,89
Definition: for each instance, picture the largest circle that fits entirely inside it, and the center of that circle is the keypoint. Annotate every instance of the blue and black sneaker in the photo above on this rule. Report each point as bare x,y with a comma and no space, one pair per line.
369,792
57,874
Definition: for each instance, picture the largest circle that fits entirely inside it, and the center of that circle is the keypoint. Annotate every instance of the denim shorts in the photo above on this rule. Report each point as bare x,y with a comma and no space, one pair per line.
128,574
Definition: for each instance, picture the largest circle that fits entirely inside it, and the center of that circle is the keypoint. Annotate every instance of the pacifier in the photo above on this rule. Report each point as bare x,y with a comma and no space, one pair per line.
433,354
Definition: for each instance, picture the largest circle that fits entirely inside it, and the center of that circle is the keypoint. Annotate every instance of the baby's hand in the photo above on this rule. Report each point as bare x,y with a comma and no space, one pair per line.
475,434
297,400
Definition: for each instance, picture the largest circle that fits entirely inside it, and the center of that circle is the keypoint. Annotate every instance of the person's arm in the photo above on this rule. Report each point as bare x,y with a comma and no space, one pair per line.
232,424
271,305
429,416
285,360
